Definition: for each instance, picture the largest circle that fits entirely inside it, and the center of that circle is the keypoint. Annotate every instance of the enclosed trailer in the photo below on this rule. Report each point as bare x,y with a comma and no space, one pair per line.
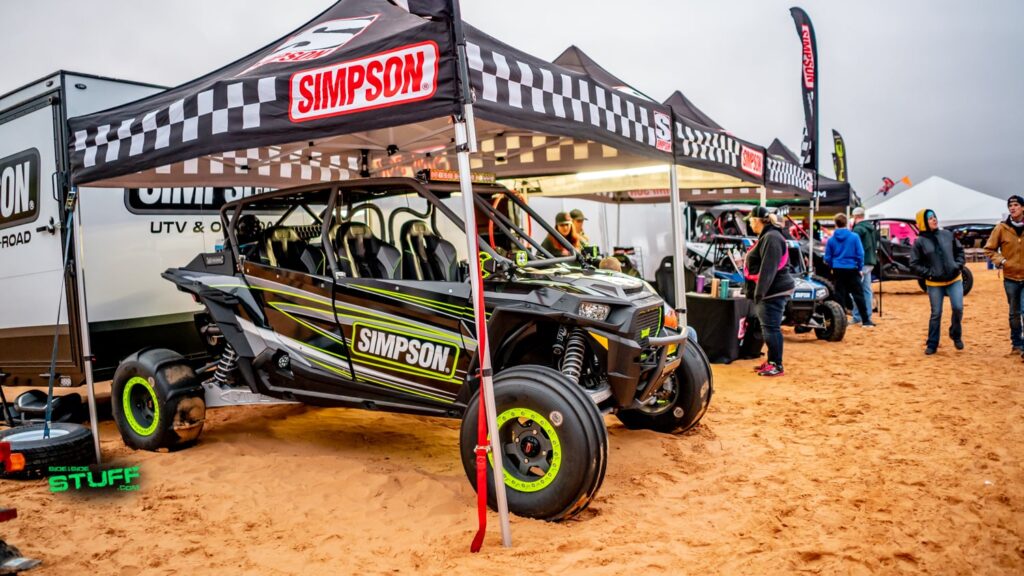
127,237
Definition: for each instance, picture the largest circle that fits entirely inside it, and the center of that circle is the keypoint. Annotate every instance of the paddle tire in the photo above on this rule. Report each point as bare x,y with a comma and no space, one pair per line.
683,399
68,445
157,401
835,322
554,443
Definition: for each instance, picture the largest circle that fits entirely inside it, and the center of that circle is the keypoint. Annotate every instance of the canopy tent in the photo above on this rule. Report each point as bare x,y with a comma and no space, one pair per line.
369,89
953,204
831,192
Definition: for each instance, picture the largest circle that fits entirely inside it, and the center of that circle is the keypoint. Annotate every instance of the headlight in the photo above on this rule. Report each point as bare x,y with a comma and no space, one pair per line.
594,311
820,293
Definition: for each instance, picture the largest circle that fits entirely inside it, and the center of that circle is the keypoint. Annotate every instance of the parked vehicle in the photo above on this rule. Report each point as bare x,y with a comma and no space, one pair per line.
355,294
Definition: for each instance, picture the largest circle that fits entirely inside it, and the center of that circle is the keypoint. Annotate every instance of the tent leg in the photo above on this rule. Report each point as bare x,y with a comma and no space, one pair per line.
763,191
462,144
810,242
678,247
83,324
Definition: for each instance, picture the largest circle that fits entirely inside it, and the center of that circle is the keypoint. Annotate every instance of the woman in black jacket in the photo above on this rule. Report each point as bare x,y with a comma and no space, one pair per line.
769,285
938,257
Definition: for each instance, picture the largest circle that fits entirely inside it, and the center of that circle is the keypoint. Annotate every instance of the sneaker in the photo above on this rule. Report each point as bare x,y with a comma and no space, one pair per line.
869,324
929,351
959,344
1017,350
761,366
771,370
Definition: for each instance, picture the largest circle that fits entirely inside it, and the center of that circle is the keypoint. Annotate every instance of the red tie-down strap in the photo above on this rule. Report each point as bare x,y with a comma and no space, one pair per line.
481,435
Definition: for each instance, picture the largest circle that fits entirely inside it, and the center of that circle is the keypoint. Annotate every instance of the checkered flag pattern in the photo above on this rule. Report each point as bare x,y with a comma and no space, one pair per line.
789,174
271,162
712,146
223,108
510,82
805,149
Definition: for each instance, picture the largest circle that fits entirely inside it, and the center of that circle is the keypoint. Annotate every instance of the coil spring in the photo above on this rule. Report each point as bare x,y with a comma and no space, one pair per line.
572,362
228,362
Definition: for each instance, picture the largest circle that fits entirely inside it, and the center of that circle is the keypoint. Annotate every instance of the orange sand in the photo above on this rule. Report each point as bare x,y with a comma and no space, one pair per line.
868,457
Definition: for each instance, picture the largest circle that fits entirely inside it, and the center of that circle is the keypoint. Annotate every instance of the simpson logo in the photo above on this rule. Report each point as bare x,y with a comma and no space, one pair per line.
406,74
317,41
752,161
19,188
405,350
663,131
187,200
805,39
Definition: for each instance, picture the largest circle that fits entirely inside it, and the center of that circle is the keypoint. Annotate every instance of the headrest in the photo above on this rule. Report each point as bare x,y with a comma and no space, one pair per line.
418,228
358,230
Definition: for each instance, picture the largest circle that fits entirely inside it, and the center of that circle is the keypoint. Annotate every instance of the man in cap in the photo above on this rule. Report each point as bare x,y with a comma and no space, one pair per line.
869,240
564,228
577,225
1005,249
938,257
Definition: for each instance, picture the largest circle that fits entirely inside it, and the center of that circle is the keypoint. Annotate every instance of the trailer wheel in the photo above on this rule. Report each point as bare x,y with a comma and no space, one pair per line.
68,445
682,405
157,401
835,322
554,443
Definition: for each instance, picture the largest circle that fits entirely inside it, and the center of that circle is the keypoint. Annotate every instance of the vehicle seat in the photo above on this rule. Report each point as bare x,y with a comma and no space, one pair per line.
363,255
427,256
282,248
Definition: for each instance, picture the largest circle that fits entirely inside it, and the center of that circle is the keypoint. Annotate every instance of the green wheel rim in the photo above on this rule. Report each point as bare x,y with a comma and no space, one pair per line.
526,419
141,407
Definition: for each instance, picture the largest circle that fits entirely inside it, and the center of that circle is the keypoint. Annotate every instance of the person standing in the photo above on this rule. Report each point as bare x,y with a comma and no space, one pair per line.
768,284
869,240
845,255
577,226
938,257
1005,249
564,228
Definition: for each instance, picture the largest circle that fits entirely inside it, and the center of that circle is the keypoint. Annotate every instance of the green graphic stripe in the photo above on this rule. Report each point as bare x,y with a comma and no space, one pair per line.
380,382
277,306
425,302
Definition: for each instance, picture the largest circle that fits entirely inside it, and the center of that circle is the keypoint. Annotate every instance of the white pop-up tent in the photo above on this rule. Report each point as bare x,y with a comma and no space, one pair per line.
952,203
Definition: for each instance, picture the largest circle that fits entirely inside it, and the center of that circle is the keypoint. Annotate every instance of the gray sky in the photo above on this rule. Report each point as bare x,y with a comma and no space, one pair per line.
916,87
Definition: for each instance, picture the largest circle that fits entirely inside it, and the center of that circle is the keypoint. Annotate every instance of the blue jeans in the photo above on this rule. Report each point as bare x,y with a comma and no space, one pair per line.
769,314
865,283
1015,297
955,291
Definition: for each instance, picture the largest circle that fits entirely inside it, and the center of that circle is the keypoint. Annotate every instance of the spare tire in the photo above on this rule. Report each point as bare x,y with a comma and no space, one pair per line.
68,445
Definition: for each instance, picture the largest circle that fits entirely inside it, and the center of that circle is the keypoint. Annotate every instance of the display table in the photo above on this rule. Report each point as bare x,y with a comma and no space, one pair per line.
721,325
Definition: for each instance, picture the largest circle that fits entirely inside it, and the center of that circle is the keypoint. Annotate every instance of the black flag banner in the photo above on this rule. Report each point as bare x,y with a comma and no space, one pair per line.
839,156
809,87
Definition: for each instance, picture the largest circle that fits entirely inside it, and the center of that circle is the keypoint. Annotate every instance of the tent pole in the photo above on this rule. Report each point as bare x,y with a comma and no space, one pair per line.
810,242
764,195
464,145
678,247
83,329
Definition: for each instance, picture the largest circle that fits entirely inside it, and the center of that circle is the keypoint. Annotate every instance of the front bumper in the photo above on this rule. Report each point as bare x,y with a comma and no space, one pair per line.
632,366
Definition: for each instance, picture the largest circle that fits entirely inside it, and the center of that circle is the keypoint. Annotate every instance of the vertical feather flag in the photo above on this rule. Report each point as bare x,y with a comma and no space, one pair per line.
809,86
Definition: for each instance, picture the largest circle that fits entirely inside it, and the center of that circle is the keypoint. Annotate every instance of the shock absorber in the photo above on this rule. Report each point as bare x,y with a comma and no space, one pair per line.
559,346
228,362
572,361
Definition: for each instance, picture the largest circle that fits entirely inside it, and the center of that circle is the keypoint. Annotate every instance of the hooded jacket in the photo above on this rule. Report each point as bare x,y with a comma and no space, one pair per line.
767,259
844,251
937,255
1005,248
869,239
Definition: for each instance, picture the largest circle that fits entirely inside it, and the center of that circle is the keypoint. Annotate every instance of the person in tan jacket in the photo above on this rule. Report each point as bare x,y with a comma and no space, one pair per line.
1005,248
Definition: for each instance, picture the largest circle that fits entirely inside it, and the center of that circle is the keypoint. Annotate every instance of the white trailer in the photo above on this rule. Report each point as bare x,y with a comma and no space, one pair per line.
128,237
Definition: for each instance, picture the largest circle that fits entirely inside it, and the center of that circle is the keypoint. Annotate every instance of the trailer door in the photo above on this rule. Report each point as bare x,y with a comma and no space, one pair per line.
31,259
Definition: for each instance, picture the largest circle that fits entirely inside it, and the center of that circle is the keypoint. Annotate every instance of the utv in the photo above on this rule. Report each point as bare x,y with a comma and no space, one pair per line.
353,294
810,307
895,242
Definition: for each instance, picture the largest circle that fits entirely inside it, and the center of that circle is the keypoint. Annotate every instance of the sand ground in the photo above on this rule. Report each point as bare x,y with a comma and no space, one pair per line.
867,457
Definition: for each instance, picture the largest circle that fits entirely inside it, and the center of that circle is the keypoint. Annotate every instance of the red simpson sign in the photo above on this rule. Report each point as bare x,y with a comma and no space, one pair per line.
805,39
398,76
752,161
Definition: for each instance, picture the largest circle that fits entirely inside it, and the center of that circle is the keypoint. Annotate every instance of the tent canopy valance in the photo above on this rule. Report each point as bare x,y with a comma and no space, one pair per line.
831,192
367,89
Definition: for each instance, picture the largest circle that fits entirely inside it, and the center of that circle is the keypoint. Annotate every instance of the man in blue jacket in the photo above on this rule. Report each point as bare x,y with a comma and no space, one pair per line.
845,254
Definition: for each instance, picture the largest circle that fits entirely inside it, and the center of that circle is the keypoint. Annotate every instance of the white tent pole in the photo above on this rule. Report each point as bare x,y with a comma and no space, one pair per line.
678,246
83,328
810,242
464,145
763,191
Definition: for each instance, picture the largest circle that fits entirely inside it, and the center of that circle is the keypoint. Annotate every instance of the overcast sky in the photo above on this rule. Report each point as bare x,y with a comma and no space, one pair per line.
917,88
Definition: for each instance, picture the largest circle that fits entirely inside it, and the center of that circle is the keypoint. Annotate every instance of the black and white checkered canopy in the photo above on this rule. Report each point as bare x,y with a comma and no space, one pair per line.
829,192
367,88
